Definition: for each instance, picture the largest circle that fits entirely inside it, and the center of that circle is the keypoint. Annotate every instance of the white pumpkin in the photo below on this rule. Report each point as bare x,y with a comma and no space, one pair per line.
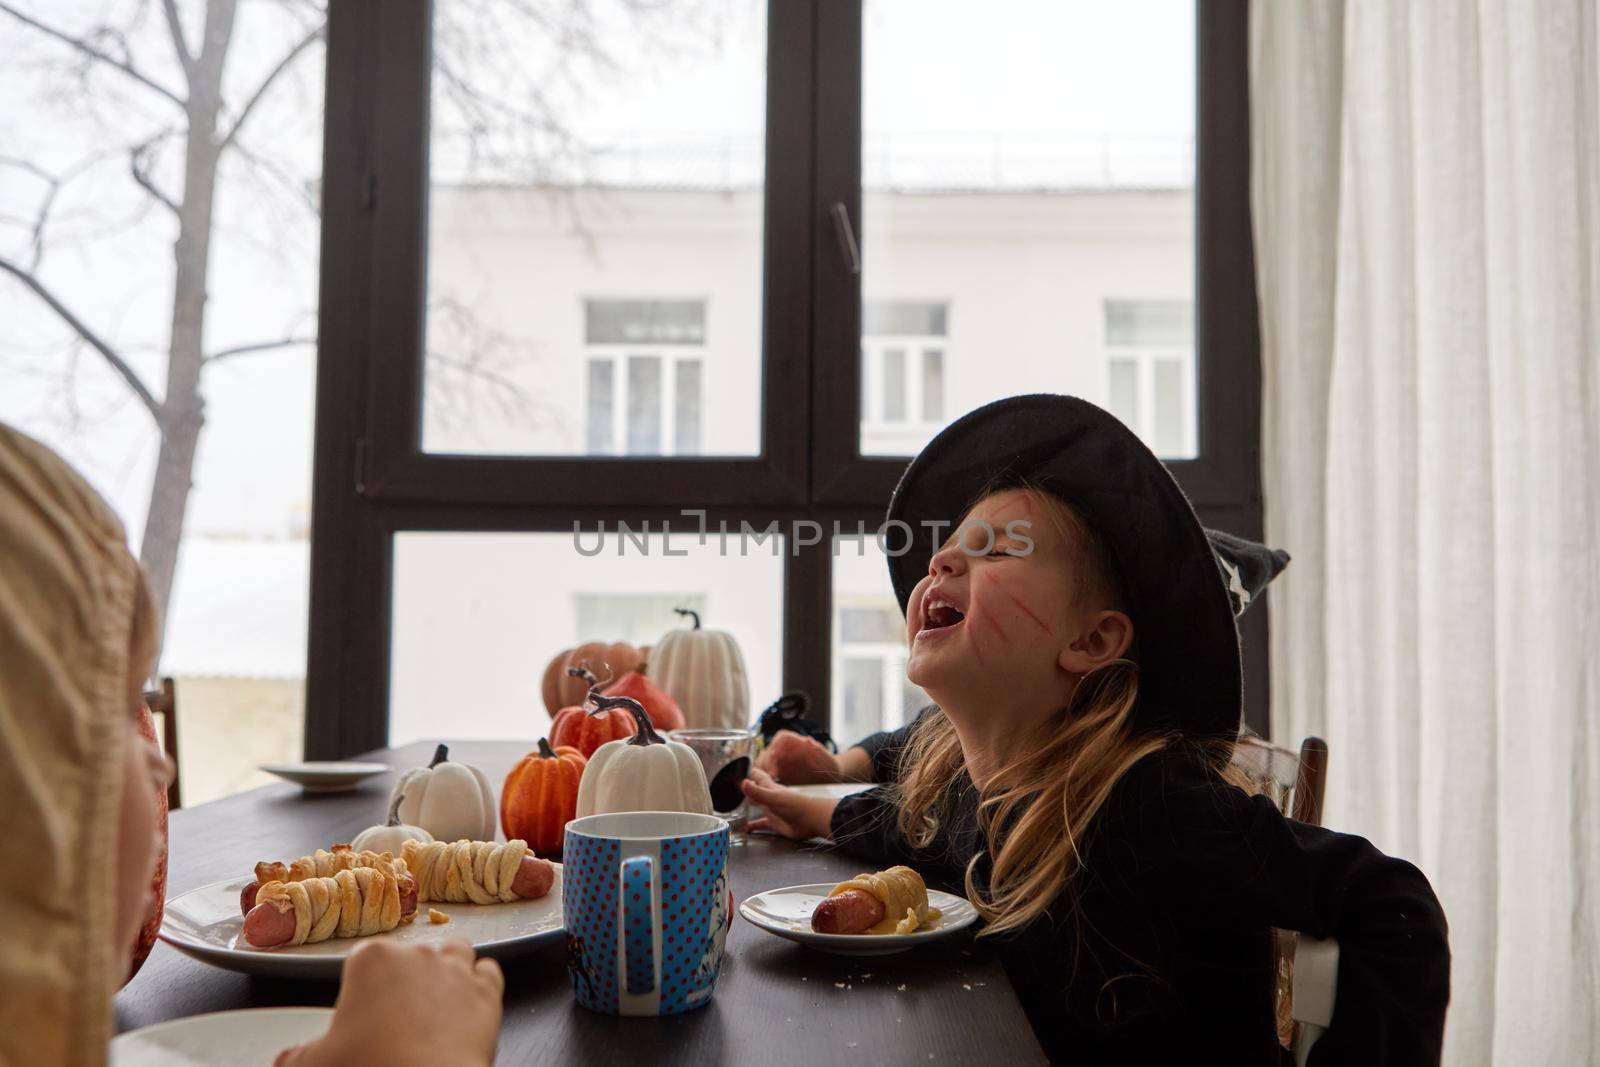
646,772
703,670
449,800
390,836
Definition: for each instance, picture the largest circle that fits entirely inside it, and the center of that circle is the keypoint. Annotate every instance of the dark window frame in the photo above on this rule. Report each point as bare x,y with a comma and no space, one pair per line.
372,479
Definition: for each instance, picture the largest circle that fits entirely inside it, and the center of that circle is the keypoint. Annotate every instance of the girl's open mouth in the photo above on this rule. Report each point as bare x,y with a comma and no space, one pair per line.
939,614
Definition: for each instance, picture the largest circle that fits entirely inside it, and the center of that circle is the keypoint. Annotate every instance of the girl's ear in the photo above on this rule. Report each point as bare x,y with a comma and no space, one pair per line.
1106,639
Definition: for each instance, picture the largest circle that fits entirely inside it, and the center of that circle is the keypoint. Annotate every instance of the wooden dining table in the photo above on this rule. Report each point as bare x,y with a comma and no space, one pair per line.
776,1001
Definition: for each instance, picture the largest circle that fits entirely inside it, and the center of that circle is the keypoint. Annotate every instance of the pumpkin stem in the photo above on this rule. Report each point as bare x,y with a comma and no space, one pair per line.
394,811
582,671
693,614
440,755
646,733
545,751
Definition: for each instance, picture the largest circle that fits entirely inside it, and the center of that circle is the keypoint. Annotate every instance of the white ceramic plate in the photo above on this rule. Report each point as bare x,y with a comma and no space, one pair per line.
787,913
206,924
249,1038
329,777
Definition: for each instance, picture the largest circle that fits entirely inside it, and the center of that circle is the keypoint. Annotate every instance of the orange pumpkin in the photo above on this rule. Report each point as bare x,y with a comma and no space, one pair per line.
664,711
561,689
158,881
575,727
541,795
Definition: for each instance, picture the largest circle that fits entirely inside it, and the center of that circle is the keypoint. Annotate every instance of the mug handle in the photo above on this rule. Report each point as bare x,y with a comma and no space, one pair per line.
638,925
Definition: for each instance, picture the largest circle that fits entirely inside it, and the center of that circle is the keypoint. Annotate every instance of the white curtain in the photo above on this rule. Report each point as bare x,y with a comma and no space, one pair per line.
1426,195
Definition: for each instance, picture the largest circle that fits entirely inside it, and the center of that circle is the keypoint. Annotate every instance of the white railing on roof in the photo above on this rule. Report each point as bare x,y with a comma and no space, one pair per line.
908,162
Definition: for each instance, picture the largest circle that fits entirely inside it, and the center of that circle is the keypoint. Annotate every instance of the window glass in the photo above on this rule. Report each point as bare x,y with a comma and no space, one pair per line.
199,435
1019,199
870,689
644,405
578,152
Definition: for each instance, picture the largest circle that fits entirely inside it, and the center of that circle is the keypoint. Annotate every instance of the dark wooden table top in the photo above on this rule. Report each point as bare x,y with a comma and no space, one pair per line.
775,1002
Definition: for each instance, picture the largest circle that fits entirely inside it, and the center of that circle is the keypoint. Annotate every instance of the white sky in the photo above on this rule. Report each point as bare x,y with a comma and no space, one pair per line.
1027,71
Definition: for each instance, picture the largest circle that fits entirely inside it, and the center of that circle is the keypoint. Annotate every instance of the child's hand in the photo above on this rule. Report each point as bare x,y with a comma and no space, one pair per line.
410,1004
795,759
788,813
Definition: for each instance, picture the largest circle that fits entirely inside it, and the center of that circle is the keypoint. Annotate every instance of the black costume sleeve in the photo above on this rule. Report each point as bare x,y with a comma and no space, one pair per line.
1208,848
884,748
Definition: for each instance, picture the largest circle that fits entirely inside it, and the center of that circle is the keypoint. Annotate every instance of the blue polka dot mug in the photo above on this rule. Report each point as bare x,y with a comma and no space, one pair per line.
646,905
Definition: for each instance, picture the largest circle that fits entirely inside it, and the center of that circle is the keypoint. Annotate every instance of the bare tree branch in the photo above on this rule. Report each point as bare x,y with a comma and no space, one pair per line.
93,53
258,346
266,83
175,27
118,364
138,167
263,163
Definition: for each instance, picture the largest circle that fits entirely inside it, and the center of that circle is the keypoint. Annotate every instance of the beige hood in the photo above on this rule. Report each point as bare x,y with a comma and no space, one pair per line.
67,594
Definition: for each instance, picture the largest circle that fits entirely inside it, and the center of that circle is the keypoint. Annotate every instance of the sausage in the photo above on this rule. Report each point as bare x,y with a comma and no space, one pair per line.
534,878
408,895
247,897
855,911
266,926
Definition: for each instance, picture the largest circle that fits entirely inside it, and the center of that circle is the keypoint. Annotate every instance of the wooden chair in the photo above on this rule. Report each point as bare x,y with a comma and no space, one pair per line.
1295,781
164,702
1307,968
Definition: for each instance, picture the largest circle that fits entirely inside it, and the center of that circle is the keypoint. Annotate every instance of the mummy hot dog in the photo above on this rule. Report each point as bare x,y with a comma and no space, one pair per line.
354,902
477,872
894,901
320,864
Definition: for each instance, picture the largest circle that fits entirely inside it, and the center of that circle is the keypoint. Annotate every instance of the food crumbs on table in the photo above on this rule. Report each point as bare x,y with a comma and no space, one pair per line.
902,987
437,917
850,1044
838,985
967,987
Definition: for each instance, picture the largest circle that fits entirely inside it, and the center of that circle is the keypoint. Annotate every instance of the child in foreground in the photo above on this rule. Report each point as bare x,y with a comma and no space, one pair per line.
1077,636
78,637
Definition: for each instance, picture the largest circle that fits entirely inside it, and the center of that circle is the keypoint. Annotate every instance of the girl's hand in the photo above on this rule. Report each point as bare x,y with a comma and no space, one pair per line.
410,1004
788,814
798,760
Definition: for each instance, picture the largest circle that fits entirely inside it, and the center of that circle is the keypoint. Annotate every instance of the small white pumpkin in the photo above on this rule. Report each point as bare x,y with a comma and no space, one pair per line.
390,836
646,772
449,800
703,671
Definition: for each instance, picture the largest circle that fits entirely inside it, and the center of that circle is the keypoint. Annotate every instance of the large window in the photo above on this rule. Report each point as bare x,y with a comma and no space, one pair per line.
724,265
159,228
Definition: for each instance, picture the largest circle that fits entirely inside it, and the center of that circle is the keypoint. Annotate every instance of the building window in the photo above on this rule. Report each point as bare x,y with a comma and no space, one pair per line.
872,692
903,347
1150,372
645,394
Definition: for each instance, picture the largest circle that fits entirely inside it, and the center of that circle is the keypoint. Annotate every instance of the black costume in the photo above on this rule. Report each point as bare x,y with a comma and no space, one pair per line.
1164,955
1186,875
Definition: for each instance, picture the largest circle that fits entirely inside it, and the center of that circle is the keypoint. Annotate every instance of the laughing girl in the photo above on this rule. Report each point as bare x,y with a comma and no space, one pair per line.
1077,635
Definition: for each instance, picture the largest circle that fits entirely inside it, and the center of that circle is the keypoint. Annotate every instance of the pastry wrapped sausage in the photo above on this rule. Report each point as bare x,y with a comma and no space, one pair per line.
320,864
355,902
477,872
894,901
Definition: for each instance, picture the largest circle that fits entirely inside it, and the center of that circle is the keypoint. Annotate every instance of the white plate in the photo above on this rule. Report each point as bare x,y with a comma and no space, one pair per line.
787,913
206,924
327,777
249,1038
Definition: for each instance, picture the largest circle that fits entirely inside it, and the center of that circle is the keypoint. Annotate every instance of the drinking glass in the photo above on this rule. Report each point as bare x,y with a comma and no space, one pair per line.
726,756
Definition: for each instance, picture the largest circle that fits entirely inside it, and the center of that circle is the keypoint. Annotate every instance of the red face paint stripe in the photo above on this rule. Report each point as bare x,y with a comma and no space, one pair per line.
1029,613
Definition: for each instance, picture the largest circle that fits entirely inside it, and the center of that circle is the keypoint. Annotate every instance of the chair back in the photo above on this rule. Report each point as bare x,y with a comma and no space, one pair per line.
1295,781
163,701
